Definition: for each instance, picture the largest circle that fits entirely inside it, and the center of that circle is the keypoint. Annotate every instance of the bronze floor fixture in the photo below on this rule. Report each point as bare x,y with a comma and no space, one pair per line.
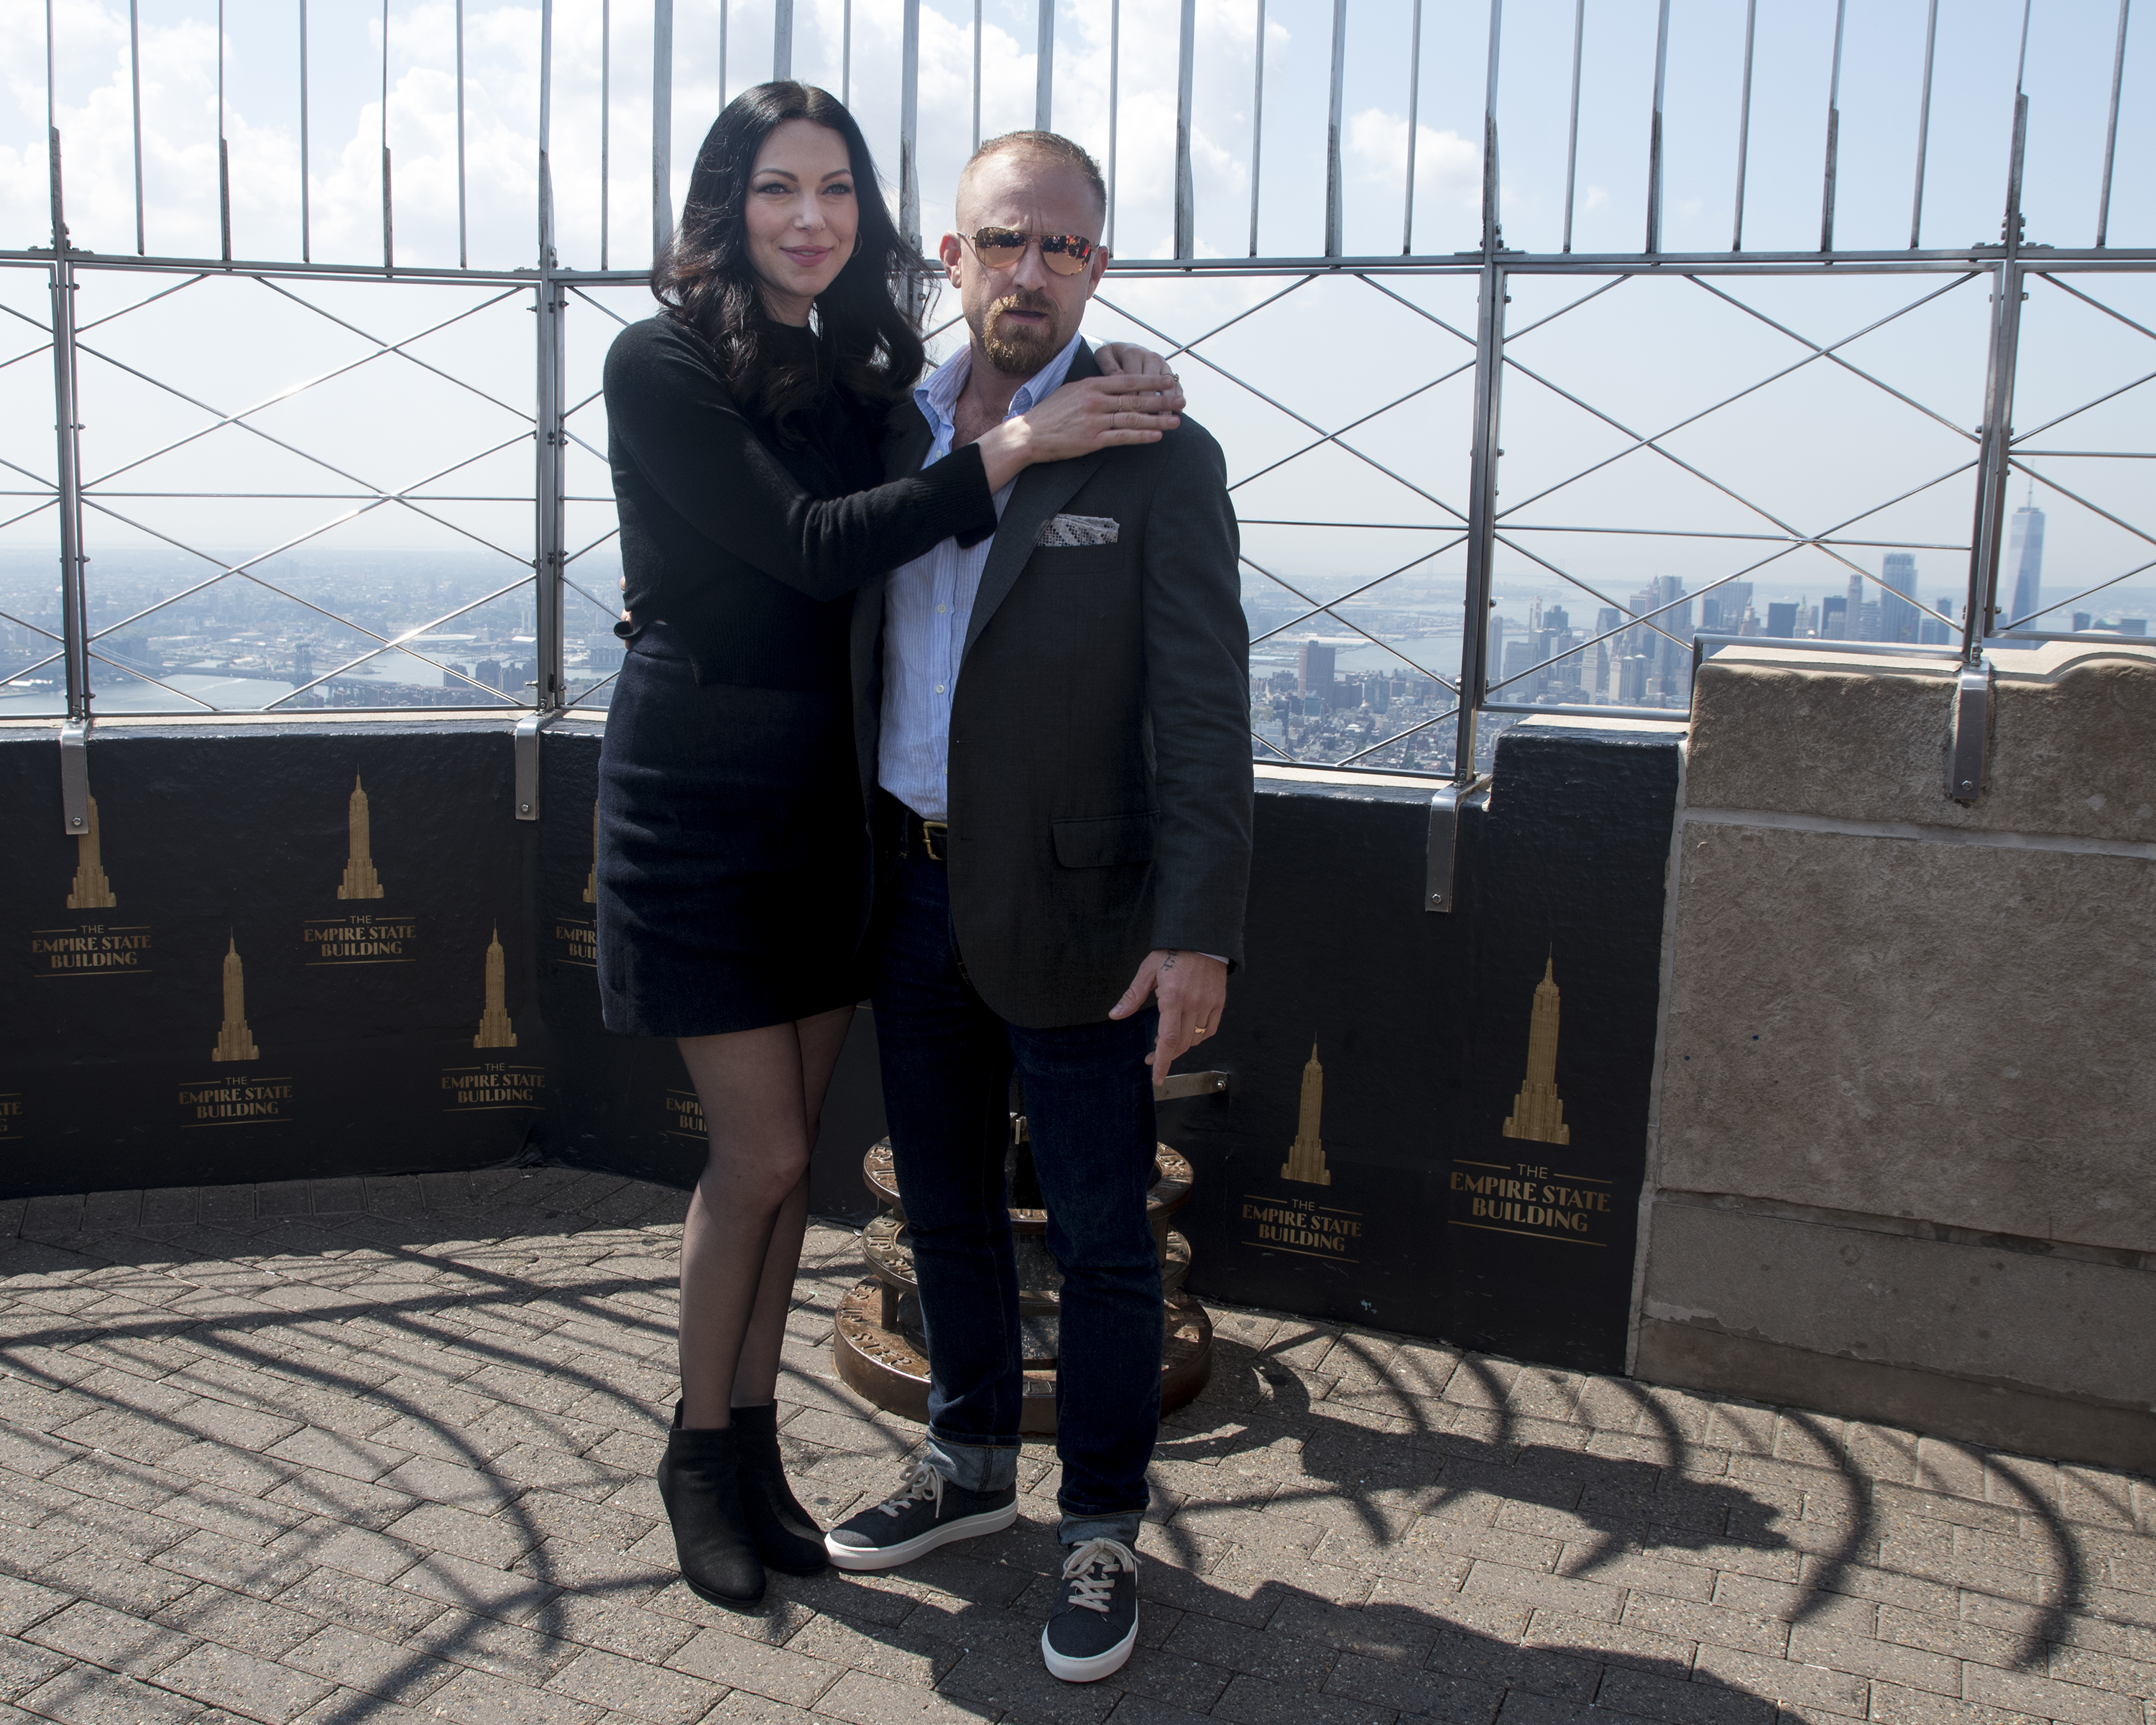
879,1346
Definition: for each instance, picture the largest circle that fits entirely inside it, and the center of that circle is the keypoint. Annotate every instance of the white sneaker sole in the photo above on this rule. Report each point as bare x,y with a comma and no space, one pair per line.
1096,1667
863,1559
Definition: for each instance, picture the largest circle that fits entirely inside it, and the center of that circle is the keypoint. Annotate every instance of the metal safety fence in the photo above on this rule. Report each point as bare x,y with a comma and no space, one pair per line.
213,509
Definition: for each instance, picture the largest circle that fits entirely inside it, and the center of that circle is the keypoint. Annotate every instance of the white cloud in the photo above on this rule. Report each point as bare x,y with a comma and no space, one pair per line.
1448,167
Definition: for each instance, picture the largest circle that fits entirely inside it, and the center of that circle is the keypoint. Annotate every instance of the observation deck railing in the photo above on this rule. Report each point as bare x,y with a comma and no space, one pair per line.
1705,418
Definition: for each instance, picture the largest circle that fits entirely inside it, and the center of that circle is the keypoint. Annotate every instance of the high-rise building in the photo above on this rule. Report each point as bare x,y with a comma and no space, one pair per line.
2024,567
1313,670
1833,618
1782,619
1897,616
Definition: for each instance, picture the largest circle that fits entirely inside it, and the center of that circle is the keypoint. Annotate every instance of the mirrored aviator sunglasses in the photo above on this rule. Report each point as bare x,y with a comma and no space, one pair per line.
1000,248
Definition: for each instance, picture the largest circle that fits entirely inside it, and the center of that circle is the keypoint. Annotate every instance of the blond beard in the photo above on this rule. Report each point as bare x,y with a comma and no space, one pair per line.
1014,353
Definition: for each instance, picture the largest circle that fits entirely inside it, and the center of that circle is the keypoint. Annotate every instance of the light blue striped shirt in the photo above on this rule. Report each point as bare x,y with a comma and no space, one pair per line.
929,603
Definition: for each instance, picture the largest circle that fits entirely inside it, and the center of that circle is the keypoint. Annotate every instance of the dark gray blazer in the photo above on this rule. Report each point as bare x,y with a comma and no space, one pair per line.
1100,769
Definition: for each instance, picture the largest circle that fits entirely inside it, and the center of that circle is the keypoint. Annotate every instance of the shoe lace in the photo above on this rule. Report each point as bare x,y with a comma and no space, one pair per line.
1092,1571
921,1482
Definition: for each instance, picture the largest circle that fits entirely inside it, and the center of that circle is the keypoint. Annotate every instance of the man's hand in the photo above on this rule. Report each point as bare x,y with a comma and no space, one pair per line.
1194,993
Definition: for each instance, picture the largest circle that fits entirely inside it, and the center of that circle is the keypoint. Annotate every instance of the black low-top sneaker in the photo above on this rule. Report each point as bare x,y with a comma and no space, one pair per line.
926,1511
1094,1623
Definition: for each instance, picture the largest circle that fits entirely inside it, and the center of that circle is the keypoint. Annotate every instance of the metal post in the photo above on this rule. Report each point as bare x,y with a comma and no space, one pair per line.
1415,103
1185,215
1258,118
1332,210
782,40
388,232
464,251
908,125
662,124
548,563
1924,124
1115,70
1493,226
74,630
1743,127
1654,134
1571,133
306,237
846,55
2110,136
1482,513
135,78
1994,451
1043,66
976,89
1832,131
606,114
223,154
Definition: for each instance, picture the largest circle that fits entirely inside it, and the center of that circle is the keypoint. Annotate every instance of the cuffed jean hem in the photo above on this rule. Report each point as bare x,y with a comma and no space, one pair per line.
1076,1530
974,1467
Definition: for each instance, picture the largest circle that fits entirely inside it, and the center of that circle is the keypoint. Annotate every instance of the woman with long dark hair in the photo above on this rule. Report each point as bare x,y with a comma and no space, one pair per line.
745,422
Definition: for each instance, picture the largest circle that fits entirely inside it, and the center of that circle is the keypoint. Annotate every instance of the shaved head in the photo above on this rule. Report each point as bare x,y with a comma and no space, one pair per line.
1043,150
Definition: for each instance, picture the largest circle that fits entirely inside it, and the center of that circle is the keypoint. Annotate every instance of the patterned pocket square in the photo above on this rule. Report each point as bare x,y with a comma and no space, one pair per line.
1077,529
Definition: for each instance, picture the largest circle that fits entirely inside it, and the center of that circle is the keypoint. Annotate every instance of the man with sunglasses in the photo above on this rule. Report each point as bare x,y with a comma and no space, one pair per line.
1053,730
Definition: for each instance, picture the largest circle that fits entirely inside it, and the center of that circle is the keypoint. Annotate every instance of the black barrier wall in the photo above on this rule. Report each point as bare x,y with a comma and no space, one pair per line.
297,951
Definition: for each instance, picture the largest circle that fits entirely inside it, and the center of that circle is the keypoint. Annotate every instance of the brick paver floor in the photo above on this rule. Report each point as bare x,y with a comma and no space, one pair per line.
341,1451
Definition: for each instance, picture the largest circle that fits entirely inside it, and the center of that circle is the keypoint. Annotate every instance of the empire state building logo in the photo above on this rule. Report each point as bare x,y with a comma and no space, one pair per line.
1539,1111
1306,1156
234,1041
494,1029
360,879
92,890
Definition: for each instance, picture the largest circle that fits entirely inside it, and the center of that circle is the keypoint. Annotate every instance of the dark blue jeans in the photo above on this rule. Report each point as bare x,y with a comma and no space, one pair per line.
948,1061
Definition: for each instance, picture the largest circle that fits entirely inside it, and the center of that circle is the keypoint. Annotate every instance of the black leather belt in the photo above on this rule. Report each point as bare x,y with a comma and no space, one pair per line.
917,836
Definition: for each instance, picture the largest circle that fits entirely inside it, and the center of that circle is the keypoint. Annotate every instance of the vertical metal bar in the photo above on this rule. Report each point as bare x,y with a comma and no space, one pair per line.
464,250
606,111
1743,127
2110,136
1994,450
1043,66
1481,514
662,124
1833,133
1414,137
977,78
388,233
1258,120
552,303
1115,80
722,53
1492,227
908,125
135,78
782,40
1924,125
223,155
846,55
75,631
1571,133
306,225
1332,210
1185,213
1655,133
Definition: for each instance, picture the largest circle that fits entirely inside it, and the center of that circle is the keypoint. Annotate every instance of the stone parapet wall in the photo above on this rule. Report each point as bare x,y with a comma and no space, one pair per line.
1902,1160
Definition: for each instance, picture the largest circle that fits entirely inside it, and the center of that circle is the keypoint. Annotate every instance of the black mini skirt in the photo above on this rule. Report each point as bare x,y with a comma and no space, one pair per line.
733,859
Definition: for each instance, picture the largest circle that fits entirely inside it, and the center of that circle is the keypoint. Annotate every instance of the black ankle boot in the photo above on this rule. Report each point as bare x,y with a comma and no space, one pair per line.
786,1537
700,1481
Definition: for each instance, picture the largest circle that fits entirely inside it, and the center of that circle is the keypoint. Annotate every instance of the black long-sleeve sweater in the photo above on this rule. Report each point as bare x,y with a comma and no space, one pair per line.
749,548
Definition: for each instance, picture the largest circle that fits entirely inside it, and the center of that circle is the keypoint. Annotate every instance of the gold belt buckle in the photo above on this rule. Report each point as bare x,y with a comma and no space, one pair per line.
929,830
